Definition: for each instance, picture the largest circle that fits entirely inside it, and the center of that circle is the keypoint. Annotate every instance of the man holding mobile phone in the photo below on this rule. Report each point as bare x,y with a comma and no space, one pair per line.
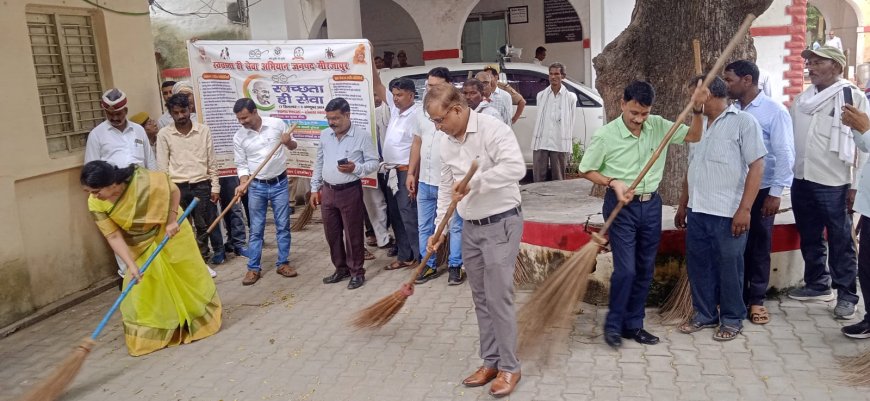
826,176
346,154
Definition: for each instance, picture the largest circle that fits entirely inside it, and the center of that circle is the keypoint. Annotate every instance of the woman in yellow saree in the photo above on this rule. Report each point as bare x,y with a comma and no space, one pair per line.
175,300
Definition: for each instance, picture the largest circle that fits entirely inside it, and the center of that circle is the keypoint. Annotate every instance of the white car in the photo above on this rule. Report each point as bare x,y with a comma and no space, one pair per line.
527,79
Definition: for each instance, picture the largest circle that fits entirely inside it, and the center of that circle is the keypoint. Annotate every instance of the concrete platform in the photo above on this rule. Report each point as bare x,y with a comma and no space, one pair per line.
560,215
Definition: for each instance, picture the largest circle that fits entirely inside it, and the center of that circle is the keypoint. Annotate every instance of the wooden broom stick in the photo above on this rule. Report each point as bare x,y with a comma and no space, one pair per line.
246,184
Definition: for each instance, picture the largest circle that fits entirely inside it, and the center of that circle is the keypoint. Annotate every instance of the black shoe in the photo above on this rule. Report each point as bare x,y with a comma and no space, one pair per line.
356,282
455,275
428,274
335,277
858,330
640,335
613,339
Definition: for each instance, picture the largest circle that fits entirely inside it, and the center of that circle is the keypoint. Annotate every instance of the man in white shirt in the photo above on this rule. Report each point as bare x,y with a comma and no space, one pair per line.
500,100
166,92
424,176
492,227
834,41
507,95
118,140
374,198
186,153
859,121
396,150
540,55
552,143
826,176
252,144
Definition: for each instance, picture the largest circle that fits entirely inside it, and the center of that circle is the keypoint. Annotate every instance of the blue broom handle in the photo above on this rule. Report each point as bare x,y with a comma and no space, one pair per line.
144,267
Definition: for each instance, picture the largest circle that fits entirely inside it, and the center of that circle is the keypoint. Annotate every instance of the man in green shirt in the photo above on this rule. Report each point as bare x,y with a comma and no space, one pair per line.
615,157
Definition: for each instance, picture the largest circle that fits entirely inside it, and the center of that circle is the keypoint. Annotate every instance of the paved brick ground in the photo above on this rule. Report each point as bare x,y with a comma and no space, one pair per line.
288,339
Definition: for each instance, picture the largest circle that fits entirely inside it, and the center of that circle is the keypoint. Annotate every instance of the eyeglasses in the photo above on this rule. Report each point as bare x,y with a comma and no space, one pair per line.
439,120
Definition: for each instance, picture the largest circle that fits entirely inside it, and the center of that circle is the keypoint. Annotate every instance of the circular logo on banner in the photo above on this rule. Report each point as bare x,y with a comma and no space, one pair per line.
259,91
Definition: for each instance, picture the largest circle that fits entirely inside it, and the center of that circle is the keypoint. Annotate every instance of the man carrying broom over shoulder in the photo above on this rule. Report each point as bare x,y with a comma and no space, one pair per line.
615,157
492,224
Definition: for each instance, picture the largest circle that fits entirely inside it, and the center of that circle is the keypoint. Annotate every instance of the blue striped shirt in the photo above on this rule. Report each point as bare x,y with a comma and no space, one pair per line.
778,140
719,163
356,145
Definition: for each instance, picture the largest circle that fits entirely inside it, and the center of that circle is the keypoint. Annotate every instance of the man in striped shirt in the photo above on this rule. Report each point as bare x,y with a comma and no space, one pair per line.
725,171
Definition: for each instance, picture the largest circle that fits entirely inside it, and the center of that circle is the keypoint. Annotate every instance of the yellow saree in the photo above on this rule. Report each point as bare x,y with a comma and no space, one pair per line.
176,302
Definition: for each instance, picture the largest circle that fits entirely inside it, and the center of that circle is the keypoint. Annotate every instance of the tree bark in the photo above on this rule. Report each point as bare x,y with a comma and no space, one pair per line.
657,47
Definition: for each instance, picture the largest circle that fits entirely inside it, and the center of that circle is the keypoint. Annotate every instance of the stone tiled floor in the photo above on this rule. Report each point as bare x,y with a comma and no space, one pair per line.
288,339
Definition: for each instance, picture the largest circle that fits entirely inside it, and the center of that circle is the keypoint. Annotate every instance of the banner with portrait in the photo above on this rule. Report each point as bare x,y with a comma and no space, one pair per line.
288,79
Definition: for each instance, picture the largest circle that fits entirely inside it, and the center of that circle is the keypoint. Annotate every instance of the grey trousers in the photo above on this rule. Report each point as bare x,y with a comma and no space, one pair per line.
489,253
555,162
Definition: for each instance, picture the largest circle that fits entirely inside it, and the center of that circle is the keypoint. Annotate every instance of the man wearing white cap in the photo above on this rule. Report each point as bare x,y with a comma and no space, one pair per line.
826,173
117,140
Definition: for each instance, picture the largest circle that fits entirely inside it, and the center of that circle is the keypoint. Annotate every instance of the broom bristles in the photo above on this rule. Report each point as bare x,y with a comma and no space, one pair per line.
555,299
303,219
856,369
54,385
678,307
381,312
522,272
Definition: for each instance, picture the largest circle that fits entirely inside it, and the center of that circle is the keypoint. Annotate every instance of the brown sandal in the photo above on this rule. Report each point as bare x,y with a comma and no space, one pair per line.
758,315
396,265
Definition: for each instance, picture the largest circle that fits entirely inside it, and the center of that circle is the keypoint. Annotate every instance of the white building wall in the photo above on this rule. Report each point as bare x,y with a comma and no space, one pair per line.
607,19
771,50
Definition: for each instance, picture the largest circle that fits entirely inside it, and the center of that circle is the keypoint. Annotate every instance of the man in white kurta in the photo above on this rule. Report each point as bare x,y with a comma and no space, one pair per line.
552,139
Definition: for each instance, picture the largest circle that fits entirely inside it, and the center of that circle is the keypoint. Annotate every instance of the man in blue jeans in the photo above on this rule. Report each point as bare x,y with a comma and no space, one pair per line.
252,144
614,159
424,175
825,182
725,171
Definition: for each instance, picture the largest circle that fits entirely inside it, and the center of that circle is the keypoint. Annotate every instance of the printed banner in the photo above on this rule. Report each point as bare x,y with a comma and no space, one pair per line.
288,79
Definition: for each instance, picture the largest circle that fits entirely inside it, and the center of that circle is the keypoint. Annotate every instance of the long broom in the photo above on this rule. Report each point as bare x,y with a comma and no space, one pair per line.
380,313
551,304
238,195
678,306
54,385
303,219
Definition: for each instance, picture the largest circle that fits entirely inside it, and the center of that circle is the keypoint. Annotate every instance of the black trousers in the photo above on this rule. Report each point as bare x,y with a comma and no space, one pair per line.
756,257
203,215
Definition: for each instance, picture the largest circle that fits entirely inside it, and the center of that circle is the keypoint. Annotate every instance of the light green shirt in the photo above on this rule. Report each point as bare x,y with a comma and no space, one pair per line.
615,152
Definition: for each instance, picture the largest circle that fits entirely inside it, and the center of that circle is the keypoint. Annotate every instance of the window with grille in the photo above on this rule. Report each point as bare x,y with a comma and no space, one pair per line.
66,61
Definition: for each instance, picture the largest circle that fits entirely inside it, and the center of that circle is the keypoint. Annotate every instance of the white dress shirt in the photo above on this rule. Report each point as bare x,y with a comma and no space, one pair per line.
430,151
835,42
485,107
396,147
559,136
503,103
121,149
812,133
250,149
495,187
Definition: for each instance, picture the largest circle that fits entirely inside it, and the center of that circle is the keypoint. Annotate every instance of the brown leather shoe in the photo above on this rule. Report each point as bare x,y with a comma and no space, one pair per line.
287,271
482,376
251,277
504,383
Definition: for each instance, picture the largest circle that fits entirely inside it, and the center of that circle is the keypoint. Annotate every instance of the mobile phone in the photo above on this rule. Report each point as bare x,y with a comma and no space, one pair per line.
342,161
847,96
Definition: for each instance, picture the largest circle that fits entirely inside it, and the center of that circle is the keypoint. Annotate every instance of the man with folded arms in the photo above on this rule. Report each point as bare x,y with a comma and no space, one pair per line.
345,155
492,226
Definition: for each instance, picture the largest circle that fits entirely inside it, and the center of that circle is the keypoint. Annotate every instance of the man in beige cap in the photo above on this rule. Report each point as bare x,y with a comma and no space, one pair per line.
142,118
825,181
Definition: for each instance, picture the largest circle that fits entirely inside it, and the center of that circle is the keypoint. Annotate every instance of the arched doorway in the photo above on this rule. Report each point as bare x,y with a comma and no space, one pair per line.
387,25
844,18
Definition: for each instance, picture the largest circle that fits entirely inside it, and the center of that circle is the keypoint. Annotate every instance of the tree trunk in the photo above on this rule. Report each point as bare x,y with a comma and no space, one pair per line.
657,47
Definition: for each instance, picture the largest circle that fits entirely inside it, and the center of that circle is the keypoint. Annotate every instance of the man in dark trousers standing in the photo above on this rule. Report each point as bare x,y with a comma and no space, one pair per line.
346,154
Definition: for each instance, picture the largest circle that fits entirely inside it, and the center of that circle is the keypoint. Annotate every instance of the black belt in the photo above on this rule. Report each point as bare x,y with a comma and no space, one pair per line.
191,184
274,180
497,217
346,185
639,198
